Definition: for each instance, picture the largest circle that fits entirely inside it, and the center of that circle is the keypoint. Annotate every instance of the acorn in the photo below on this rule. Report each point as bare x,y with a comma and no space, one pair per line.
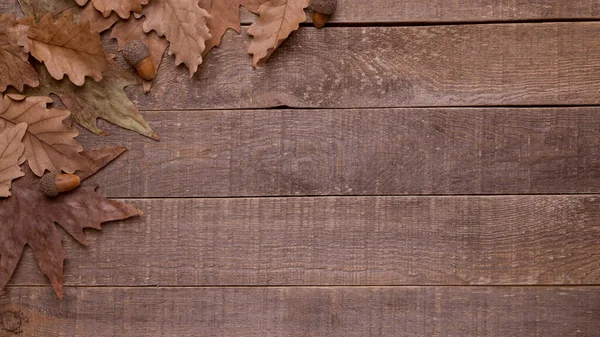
137,55
52,184
321,11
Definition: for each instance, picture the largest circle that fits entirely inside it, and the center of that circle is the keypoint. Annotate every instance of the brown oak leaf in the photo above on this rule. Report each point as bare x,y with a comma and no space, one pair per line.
28,218
184,24
252,5
105,99
122,7
11,152
225,15
15,70
39,8
49,144
98,23
67,47
278,19
130,30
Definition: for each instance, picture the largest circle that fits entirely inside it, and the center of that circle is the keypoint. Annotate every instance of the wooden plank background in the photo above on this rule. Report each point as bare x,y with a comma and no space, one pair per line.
414,169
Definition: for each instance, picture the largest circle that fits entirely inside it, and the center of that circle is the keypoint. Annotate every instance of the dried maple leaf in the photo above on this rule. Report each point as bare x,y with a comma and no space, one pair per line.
252,5
29,218
39,8
122,7
130,30
225,15
49,144
67,48
105,99
278,19
15,70
183,23
11,151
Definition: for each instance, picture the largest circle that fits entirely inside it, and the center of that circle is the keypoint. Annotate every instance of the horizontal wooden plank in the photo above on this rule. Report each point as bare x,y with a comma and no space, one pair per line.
393,11
507,240
350,67
356,152
347,312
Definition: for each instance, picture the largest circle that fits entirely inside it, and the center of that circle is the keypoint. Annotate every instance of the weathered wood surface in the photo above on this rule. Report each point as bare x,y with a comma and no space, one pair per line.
298,311
357,152
342,241
386,11
358,67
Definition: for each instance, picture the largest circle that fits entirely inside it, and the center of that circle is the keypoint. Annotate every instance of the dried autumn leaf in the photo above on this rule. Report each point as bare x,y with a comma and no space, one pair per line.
130,30
278,19
11,150
49,144
29,218
98,23
39,8
252,5
225,15
122,7
105,99
183,23
15,70
67,48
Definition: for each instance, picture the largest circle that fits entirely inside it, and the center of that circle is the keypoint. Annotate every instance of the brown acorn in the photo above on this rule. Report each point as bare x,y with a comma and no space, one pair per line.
52,184
321,11
137,55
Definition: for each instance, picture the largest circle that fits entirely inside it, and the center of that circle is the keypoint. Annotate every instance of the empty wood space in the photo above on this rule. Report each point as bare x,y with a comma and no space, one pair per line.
416,168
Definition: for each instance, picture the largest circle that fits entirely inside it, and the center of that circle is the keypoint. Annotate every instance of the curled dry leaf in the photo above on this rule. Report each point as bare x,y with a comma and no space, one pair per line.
225,15
29,218
278,19
67,48
122,7
184,24
15,70
130,30
11,152
105,99
49,144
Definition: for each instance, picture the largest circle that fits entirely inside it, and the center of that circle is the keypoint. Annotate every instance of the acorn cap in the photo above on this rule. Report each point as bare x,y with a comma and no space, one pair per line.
48,185
323,6
134,52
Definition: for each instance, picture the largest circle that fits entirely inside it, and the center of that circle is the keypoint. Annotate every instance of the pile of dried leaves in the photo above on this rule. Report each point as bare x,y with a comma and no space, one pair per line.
62,37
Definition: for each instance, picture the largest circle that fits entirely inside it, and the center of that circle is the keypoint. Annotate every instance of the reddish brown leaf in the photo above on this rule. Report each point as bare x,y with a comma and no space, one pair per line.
130,30
278,19
11,152
67,48
14,68
183,23
28,218
122,7
225,15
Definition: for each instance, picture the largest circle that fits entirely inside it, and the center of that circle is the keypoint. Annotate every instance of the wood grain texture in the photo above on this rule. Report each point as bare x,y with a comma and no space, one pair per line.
355,67
386,11
343,312
356,152
508,240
